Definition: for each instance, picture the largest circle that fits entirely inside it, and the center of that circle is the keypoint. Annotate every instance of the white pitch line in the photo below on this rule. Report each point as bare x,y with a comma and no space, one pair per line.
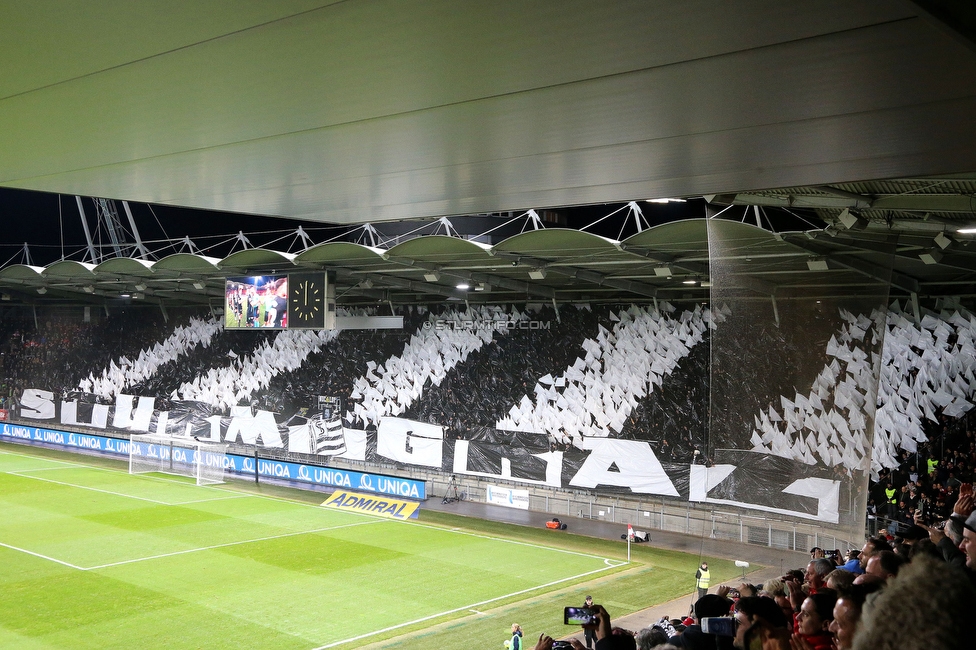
40,469
72,464
233,496
119,494
47,460
43,557
140,477
457,609
93,489
317,506
215,546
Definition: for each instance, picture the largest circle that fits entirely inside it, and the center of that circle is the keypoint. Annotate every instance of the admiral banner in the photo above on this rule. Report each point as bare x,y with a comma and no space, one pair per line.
372,505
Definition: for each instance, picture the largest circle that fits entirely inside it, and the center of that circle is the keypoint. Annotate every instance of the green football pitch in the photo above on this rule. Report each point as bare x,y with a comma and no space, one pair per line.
91,557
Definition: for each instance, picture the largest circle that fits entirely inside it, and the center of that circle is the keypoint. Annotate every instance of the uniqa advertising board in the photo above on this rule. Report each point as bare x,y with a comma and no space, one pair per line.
299,472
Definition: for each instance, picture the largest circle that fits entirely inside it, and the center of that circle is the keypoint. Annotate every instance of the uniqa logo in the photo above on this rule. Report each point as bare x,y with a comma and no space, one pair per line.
273,469
387,485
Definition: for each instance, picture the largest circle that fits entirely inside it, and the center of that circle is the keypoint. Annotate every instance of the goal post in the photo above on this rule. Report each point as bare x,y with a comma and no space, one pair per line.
201,460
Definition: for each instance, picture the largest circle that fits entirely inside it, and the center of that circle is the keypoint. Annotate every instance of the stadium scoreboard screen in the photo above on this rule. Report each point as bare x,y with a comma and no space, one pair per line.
278,302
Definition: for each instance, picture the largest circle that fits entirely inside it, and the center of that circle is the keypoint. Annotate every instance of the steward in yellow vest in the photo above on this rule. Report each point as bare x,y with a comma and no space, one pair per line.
702,579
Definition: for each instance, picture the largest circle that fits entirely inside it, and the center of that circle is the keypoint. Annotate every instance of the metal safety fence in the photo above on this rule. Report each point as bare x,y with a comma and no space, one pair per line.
662,513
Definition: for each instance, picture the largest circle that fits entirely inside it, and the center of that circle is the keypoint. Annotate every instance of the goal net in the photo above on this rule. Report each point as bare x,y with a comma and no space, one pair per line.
198,459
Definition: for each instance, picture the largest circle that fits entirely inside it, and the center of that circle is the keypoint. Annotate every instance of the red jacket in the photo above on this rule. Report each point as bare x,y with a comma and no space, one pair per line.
822,641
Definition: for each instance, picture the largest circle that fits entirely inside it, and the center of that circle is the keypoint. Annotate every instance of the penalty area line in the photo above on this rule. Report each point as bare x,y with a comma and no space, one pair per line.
93,489
43,557
21,474
468,607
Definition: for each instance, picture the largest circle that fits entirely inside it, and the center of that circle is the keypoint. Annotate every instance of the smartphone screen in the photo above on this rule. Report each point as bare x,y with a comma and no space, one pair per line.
579,615
719,625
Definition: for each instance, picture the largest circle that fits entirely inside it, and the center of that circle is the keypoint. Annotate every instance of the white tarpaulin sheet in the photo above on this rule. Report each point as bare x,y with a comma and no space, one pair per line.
624,463
406,441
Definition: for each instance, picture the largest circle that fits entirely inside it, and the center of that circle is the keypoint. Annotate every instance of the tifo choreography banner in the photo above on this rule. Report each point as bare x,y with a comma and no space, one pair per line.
299,472
373,505
611,465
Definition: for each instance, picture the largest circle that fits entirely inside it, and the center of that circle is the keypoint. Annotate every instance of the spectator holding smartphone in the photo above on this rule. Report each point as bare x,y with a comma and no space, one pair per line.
607,637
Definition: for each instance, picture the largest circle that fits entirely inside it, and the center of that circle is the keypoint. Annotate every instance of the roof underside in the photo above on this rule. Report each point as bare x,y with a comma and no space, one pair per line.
363,111
368,111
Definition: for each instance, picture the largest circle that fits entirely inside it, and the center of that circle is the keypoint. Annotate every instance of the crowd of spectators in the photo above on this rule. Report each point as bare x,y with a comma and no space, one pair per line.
926,483
917,571
58,349
480,391
909,593
223,350
674,418
332,371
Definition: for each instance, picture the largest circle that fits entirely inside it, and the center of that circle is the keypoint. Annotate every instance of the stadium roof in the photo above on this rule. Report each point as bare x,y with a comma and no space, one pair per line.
671,261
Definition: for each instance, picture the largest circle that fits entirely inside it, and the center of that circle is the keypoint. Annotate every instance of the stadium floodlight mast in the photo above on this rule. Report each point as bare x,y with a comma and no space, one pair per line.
201,460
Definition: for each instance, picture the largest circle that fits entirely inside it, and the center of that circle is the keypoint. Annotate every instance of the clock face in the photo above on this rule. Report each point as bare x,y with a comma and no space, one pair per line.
307,301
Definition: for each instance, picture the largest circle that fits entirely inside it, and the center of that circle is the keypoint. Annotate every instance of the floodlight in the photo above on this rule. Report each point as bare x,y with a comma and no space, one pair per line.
432,276
662,271
537,274
931,256
42,290
141,286
89,288
199,285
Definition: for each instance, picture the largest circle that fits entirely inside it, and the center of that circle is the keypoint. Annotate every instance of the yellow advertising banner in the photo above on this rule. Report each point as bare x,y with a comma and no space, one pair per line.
372,504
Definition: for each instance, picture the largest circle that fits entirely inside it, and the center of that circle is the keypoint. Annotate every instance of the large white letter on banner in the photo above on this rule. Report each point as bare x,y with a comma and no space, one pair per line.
69,415
124,417
414,443
638,468
37,404
552,459
825,491
252,427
